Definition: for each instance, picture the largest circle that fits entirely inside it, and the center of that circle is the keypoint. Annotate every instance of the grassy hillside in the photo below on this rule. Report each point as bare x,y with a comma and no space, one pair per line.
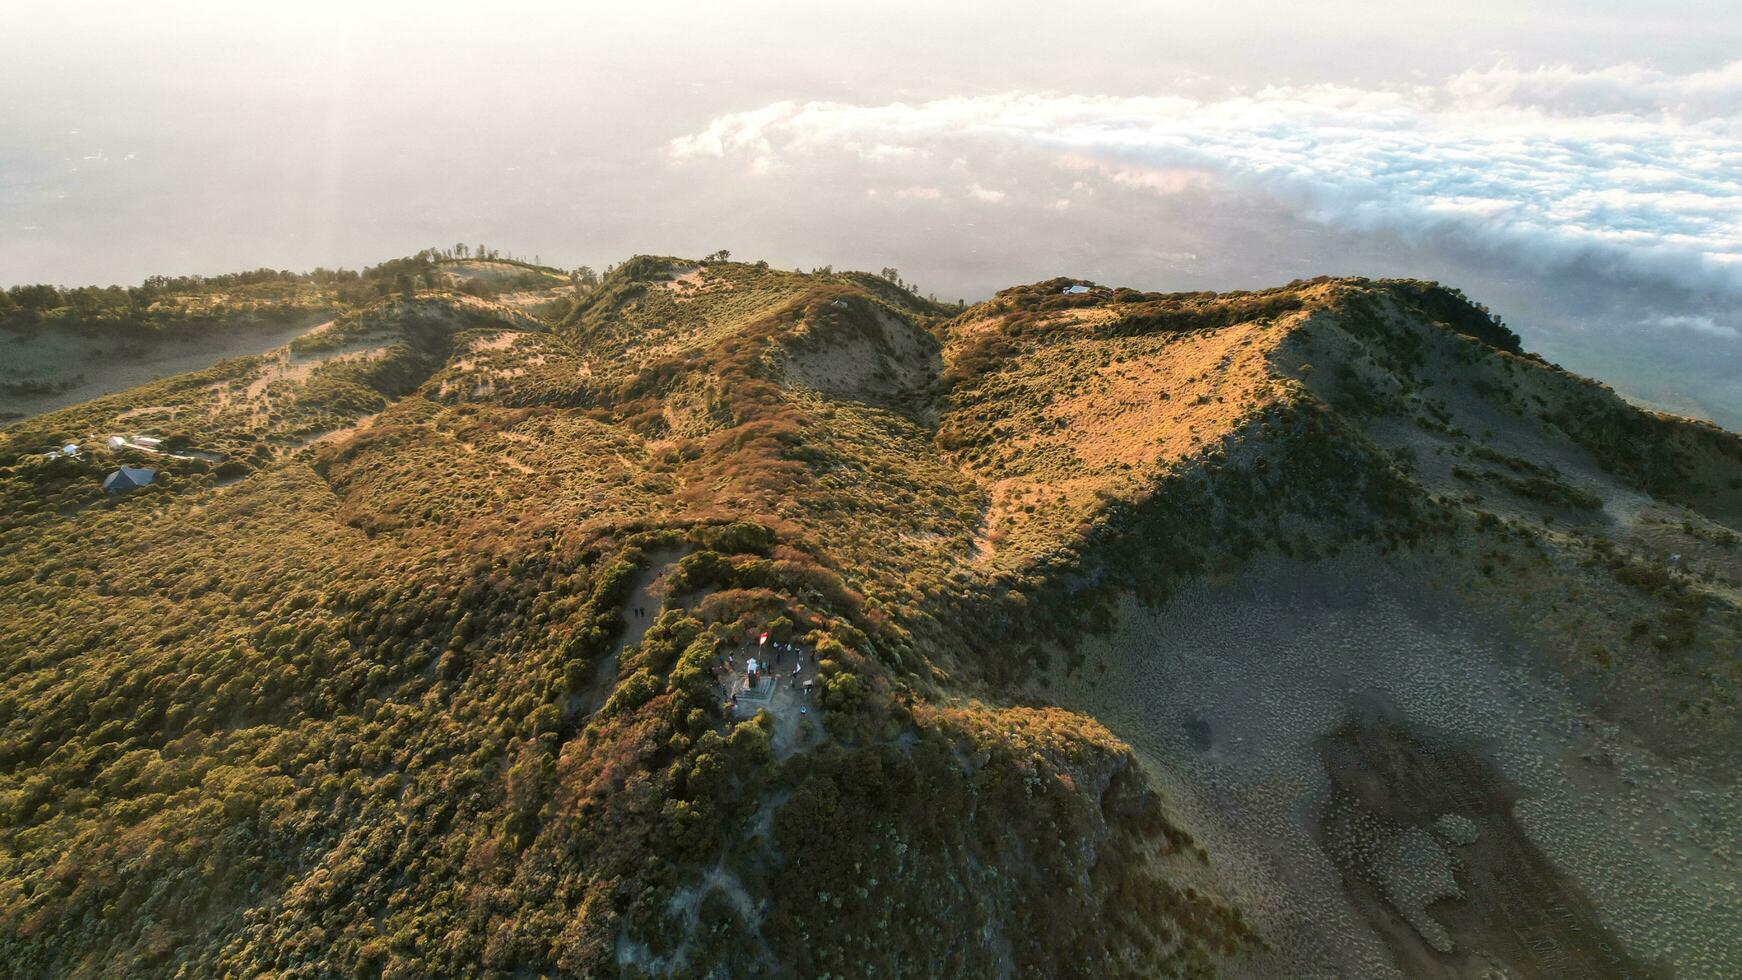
361,687
61,346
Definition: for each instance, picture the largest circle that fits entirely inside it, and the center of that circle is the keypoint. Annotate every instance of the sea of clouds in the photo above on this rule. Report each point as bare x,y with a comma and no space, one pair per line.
1626,170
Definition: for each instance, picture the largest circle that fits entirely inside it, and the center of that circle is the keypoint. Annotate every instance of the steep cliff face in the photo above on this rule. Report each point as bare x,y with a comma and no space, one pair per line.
428,664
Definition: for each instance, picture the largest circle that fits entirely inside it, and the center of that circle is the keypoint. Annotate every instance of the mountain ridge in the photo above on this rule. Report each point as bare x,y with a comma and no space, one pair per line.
393,678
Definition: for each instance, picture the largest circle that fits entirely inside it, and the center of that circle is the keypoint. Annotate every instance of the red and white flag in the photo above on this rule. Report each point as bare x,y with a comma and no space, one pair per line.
764,640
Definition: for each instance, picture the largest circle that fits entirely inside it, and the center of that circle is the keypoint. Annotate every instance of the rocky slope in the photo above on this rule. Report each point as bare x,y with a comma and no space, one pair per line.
1312,630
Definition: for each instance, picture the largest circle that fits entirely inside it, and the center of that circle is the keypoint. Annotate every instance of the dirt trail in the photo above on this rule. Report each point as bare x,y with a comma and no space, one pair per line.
334,435
647,595
287,365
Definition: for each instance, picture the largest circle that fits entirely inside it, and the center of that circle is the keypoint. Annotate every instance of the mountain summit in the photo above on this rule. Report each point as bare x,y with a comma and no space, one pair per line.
1317,630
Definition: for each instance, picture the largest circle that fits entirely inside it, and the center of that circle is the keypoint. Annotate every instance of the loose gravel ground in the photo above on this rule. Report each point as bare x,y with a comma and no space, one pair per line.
1493,784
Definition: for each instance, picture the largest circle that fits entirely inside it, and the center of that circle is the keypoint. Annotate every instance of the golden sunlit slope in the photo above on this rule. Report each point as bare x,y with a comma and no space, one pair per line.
1300,418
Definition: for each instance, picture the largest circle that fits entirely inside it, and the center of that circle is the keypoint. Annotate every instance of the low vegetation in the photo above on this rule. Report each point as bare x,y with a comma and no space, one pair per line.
344,694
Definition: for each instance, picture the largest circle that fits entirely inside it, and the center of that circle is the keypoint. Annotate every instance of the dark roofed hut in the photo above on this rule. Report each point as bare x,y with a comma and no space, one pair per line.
128,478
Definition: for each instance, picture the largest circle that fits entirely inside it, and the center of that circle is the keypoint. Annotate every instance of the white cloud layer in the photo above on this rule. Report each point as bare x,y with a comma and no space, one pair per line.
1626,168
1698,324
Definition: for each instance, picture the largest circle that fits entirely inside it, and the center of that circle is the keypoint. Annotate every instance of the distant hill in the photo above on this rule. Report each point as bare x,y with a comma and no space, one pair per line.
1318,630
59,347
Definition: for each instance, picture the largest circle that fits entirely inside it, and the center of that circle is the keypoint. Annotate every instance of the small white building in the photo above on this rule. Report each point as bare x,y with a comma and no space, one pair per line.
1076,290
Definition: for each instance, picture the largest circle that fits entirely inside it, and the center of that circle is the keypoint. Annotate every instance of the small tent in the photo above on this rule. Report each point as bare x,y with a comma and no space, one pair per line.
1076,290
117,442
128,478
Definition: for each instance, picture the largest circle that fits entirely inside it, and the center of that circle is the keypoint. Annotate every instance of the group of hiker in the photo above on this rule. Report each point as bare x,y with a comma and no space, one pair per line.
766,661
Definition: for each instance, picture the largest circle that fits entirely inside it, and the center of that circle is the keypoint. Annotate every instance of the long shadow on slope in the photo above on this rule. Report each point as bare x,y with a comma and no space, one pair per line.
1422,832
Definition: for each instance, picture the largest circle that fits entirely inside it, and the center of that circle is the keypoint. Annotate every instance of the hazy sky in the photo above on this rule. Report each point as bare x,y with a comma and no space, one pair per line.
1577,165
